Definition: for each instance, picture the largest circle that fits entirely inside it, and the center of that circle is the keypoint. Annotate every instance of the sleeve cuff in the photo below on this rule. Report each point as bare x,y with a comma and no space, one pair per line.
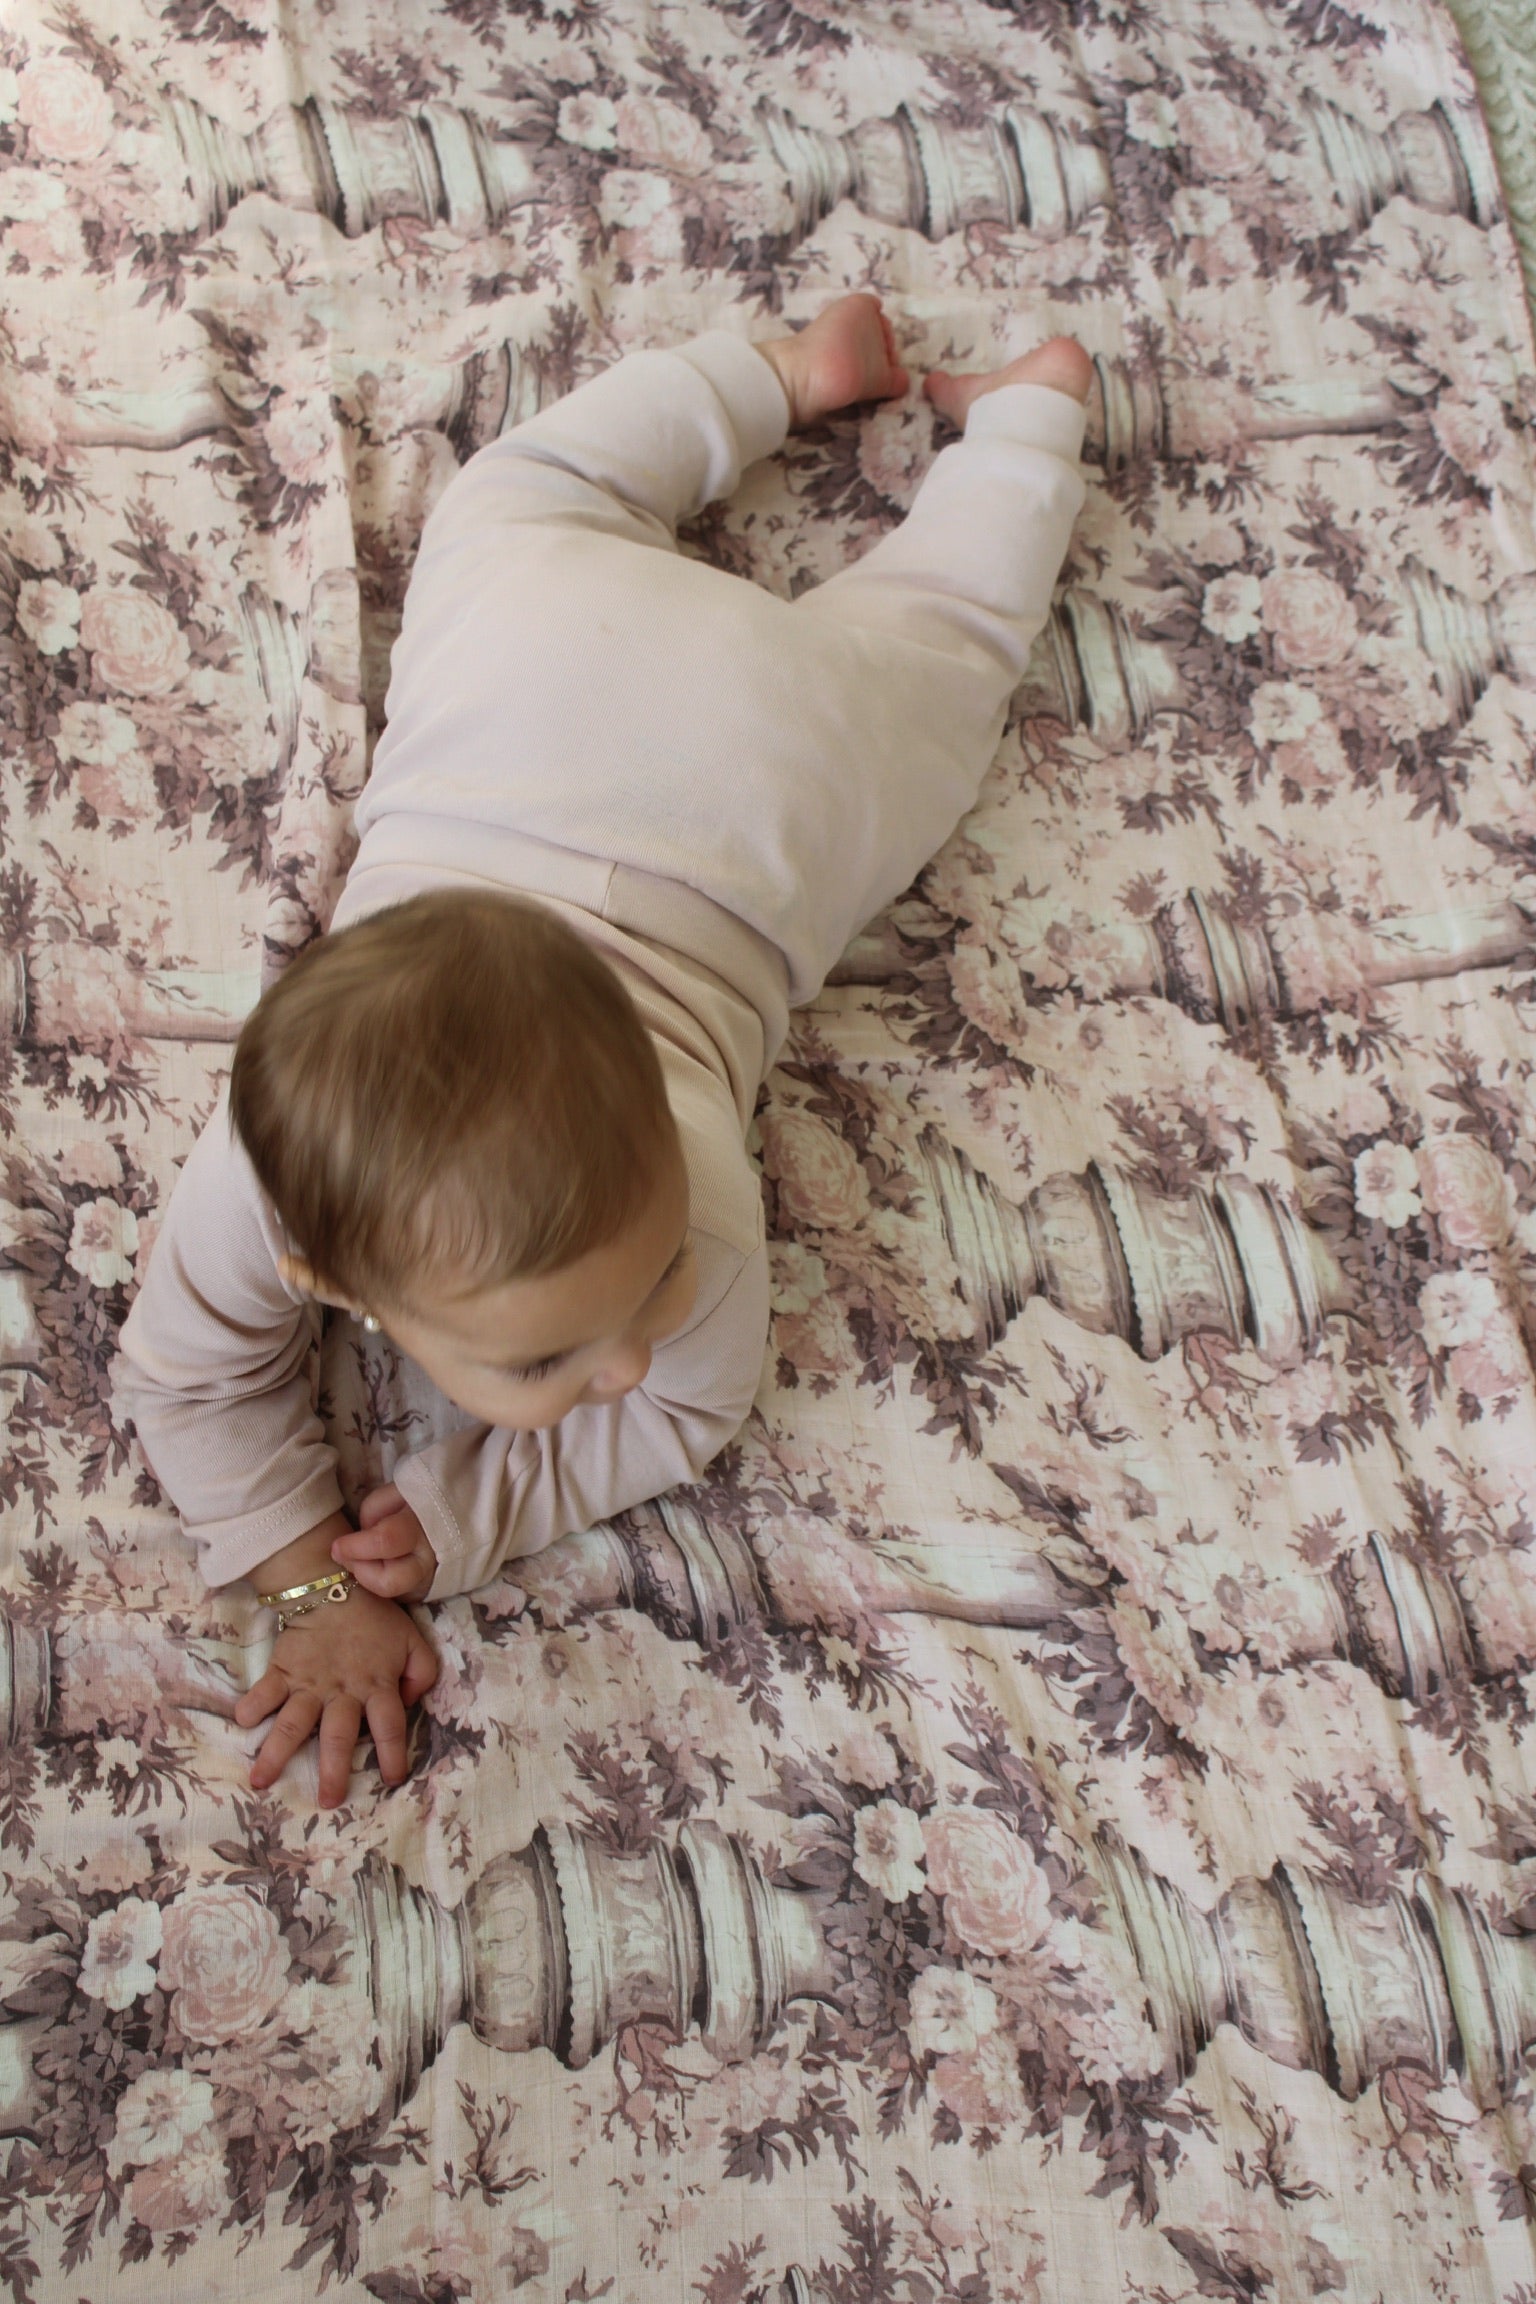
230,1549
1034,415
456,1571
752,394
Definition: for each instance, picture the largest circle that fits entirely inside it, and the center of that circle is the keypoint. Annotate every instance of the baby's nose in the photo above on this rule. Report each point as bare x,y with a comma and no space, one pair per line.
626,1366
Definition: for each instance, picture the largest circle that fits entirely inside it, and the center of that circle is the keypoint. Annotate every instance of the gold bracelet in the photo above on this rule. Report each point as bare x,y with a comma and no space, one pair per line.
302,1591
303,1599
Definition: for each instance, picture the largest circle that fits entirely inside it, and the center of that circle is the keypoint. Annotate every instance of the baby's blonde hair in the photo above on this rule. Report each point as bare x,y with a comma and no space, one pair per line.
456,1092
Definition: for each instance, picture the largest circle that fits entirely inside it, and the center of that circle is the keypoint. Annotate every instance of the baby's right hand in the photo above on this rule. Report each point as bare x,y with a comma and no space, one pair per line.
327,1670
388,1551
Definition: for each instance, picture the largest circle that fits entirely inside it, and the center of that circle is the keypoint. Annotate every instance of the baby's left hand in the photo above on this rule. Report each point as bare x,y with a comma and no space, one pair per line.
389,1553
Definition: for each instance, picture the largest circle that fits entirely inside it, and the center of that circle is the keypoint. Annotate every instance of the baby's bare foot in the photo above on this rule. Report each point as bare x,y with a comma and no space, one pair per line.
846,355
1062,364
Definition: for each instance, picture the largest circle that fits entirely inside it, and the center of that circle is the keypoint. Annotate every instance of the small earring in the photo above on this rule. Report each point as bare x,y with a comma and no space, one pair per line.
370,1324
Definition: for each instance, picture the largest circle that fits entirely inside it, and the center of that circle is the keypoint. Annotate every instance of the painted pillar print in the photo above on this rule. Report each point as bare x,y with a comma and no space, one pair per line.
1121,1258
447,164
1028,172
1050,1805
1411,1626
1093,669
1217,963
563,1945
559,1945
47,990
440,164
471,402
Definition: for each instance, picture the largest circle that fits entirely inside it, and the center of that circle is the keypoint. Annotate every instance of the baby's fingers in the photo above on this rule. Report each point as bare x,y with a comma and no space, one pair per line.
292,1728
265,1697
386,1722
378,1503
387,1539
421,1670
394,1579
338,1741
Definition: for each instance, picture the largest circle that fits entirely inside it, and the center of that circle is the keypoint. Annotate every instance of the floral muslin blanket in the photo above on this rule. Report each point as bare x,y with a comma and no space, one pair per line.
1049,1821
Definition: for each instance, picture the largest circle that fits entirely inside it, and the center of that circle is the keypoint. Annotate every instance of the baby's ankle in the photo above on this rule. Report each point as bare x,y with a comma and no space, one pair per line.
782,357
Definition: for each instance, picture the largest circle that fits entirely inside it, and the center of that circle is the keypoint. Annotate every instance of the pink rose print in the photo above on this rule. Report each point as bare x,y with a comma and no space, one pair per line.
983,2085
1153,1672
1471,437
225,1960
178,2195
865,1757
1220,140
1195,211
1317,764
1491,1368
135,644
978,992
893,454
1467,1190
1222,256
995,1896
1217,543
1464,1315
66,112
300,435
114,1869
662,135
32,541
93,1160
1150,119
53,243
96,735
820,1182
1309,619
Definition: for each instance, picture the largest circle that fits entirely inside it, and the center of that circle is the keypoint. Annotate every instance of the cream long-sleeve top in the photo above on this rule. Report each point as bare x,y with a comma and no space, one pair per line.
713,786
217,1369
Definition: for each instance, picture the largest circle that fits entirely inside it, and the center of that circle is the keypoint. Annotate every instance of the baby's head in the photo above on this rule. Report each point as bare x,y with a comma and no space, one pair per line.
461,1122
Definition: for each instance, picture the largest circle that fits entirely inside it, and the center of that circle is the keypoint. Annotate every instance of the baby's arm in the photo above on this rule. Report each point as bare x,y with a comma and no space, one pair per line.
330,1668
215,1374
485,1496
215,1369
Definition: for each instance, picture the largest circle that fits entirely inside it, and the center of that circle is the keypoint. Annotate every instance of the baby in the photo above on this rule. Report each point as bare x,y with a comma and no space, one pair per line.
626,812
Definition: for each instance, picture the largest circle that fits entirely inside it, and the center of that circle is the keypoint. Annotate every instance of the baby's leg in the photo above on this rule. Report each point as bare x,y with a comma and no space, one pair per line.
971,569
647,443
938,622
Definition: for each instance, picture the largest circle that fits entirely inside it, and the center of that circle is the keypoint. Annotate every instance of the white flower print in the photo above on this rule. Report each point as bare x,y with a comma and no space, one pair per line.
103,1242
1387,1184
157,2114
951,2011
121,1946
888,1849
49,614
1279,712
1230,607
588,120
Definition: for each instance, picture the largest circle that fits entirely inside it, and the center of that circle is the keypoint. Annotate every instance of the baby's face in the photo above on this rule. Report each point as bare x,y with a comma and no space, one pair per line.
526,1352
